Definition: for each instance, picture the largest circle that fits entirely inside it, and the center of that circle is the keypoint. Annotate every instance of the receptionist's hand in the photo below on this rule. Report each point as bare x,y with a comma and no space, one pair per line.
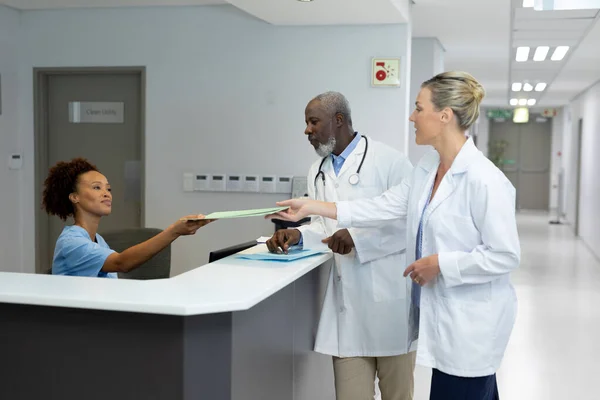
189,224
283,239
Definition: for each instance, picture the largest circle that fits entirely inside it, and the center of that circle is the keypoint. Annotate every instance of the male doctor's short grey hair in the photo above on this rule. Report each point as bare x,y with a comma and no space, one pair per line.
336,103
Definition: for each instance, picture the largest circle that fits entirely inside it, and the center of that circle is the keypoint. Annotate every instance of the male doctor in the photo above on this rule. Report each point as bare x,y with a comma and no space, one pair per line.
364,321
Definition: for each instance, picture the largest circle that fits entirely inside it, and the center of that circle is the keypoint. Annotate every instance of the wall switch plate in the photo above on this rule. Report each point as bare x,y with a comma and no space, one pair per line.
251,183
268,184
235,183
15,161
201,182
218,183
188,182
284,184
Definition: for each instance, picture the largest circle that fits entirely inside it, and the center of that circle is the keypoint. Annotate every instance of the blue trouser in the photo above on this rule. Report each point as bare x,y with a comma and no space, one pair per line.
450,387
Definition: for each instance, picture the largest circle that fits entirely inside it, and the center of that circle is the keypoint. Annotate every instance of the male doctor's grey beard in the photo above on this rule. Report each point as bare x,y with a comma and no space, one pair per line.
325,149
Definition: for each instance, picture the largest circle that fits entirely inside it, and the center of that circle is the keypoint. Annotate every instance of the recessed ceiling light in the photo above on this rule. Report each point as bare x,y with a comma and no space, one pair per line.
527,87
522,54
563,5
540,87
305,1
522,102
516,87
528,3
559,53
514,102
521,115
531,102
540,53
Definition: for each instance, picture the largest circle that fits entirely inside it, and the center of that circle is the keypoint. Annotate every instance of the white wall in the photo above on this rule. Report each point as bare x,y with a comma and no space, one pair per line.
586,106
556,160
567,138
482,130
427,60
10,230
225,93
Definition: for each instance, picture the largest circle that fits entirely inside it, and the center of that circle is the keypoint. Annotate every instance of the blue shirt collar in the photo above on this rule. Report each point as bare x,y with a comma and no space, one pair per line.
349,149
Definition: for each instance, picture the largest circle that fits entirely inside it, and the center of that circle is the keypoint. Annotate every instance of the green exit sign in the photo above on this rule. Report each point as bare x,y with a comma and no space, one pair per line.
506,114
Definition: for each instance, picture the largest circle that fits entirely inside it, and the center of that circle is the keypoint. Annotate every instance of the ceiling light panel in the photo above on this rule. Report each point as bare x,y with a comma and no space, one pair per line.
541,53
522,54
528,13
545,5
559,53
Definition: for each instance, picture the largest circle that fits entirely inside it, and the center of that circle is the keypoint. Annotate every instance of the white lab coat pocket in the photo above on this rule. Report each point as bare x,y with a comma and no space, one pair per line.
467,293
465,334
387,281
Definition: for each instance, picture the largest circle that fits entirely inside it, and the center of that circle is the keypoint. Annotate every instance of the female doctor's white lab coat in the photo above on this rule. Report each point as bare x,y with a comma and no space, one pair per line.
468,311
365,310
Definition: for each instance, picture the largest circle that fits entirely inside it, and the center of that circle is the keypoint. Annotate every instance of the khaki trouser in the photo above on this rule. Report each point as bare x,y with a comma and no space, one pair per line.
355,377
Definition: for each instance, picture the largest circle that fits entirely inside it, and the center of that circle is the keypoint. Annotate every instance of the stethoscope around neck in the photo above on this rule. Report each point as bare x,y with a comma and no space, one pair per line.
354,179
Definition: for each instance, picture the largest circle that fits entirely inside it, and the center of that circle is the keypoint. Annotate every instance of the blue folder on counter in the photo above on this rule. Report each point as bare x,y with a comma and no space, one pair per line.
293,255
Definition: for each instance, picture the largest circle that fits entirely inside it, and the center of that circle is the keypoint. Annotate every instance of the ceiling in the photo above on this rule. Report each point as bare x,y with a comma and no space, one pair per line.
479,36
278,12
53,4
566,78
326,12
475,35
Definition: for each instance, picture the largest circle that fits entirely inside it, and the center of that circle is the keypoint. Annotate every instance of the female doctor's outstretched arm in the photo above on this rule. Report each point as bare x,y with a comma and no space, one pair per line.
361,213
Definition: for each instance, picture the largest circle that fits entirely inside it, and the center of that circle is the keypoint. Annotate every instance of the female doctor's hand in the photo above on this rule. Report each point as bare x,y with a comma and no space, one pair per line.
424,270
302,208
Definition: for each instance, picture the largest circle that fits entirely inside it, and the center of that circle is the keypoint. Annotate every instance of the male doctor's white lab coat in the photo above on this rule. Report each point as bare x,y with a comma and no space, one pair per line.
468,311
365,311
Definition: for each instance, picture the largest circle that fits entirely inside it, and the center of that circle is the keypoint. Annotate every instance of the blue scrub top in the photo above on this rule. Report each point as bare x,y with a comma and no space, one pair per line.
76,254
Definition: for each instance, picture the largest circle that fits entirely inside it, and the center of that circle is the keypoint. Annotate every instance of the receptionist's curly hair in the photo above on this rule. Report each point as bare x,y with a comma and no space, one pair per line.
60,183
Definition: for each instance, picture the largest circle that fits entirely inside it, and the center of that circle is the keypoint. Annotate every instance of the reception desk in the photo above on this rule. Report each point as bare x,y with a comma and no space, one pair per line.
233,329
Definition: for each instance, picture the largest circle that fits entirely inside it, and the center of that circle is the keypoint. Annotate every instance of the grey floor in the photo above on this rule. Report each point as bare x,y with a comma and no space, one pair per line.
554,351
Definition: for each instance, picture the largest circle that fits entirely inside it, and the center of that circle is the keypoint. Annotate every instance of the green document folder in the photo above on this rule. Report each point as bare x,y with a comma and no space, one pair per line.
258,212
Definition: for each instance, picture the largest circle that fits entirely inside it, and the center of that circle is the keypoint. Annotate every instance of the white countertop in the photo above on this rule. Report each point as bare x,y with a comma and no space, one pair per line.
226,285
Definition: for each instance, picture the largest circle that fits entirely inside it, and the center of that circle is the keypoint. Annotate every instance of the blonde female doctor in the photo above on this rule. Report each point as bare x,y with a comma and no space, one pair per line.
461,228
